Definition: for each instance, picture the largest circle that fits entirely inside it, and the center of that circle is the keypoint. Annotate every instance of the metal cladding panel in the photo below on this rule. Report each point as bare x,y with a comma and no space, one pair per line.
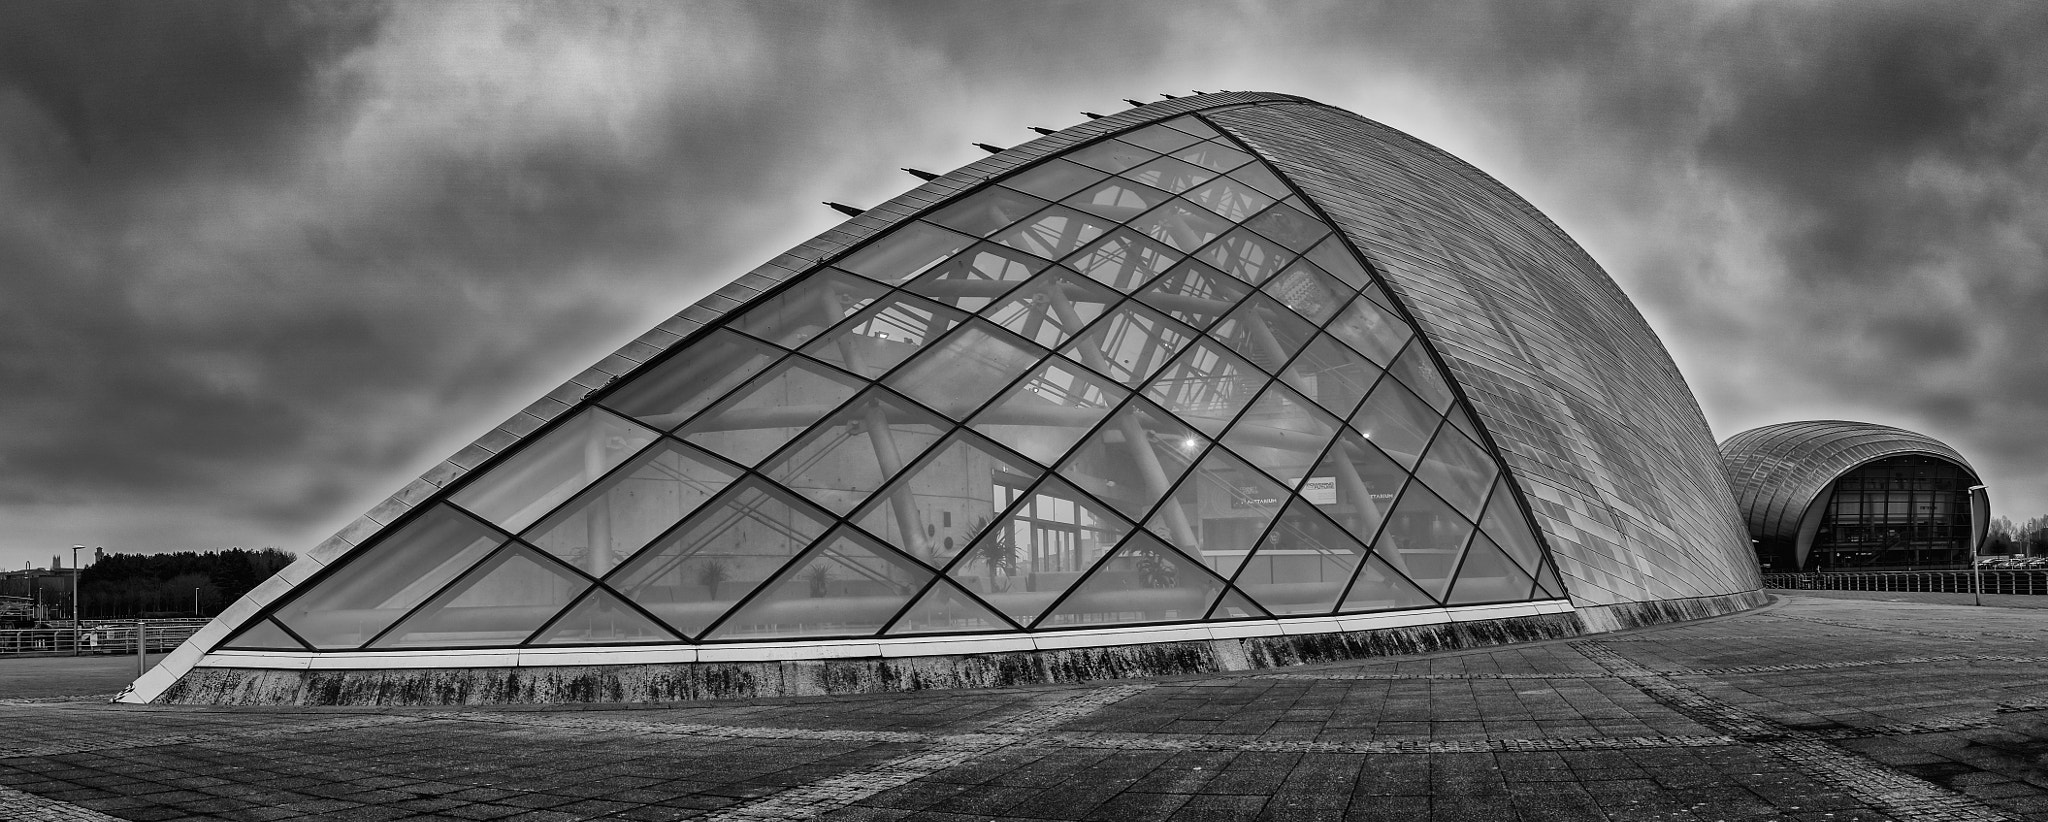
1777,471
1593,417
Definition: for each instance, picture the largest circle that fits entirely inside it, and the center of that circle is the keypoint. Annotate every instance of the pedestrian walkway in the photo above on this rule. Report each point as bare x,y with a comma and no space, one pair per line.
1814,708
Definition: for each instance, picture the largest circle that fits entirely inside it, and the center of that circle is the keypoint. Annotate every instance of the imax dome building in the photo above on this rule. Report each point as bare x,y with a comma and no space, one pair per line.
1220,382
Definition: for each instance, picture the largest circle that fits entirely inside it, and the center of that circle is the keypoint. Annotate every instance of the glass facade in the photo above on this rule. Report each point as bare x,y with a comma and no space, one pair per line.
1140,382
1906,511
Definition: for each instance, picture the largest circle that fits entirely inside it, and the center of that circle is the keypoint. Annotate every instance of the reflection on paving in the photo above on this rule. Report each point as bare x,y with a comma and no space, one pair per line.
1813,709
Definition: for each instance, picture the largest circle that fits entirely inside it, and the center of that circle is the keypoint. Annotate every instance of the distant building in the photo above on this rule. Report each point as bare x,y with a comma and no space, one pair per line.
36,593
1839,495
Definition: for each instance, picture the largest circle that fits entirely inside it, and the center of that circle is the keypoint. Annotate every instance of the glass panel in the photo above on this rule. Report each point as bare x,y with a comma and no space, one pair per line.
1246,256
377,586
1195,294
630,507
1308,291
1117,199
965,369
1131,344
1488,576
1373,330
848,585
1355,484
1547,584
1054,179
1132,461
1143,581
1157,137
1170,174
776,406
1333,257
987,210
1287,226
842,460
1111,155
1123,260
1206,386
978,277
1038,550
500,604
514,493
1213,155
1282,433
1264,332
683,384
1396,421
1228,197
1422,539
1219,512
1458,470
885,334
1380,588
1420,375
1334,376
1234,605
691,576
803,310
1463,422
1258,176
945,609
948,500
1509,529
1053,308
264,635
905,252
1049,411
1191,125
602,619
1054,232
1181,224
1303,564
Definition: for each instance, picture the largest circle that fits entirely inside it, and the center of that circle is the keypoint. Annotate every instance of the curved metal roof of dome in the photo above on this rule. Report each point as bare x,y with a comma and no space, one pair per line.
1778,470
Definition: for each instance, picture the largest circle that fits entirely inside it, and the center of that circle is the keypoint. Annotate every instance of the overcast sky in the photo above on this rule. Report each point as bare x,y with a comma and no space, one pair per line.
261,264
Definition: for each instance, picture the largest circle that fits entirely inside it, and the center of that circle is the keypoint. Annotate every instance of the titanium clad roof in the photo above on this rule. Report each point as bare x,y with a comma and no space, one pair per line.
1777,471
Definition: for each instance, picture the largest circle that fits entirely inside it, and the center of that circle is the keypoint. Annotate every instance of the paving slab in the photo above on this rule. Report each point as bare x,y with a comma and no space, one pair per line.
1831,707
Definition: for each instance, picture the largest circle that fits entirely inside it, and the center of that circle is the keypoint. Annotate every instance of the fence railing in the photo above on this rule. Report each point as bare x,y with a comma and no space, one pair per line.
1996,581
164,635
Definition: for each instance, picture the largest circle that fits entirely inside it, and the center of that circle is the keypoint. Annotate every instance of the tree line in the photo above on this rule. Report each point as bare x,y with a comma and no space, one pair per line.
179,583
2027,538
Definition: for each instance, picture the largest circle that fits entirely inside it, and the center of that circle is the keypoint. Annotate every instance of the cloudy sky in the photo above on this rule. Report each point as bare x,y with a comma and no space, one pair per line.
261,264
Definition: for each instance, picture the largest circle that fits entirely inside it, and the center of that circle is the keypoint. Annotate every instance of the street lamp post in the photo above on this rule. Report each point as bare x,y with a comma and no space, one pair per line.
75,634
195,602
1980,521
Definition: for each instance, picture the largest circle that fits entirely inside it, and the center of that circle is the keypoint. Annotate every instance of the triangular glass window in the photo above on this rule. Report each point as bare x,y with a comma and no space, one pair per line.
1396,421
1037,550
774,407
1423,539
1170,174
1234,605
1142,581
632,505
807,308
1282,433
1117,199
499,603
1195,294
1286,225
1258,176
1047,412
1264,332
1459,470
1219,511
263,636
1206,386
1131,344
965,369
1486,575
848,586
1509,529
885,334
1123,260
1373,330
1111,155
977,277
1334,258
1135,458
1333,375
1052,308
1229,198
691,576
905,252
1246,256
1547,584
1190,125
1309,291
987,211
1415,370
1302,565
1355,484
601,619
945,609
1213,155
516,492
1462,421
1054,232
1381,588
381,582
1158,137
667,395
1054,179
948,499
1181,224
843,459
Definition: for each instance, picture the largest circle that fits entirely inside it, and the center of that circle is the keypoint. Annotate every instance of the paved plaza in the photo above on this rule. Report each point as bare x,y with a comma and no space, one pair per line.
1831,707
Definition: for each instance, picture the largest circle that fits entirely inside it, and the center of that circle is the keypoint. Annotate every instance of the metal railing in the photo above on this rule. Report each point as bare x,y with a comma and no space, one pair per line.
96,637
1996,581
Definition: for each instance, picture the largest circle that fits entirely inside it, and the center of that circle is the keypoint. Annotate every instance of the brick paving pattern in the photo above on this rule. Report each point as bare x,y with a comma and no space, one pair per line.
1816,708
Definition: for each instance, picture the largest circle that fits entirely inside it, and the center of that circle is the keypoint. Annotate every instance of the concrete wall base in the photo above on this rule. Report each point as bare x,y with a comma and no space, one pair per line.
750,680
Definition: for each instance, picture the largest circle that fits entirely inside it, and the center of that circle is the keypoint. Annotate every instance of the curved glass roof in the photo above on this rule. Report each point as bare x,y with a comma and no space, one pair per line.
1778,471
